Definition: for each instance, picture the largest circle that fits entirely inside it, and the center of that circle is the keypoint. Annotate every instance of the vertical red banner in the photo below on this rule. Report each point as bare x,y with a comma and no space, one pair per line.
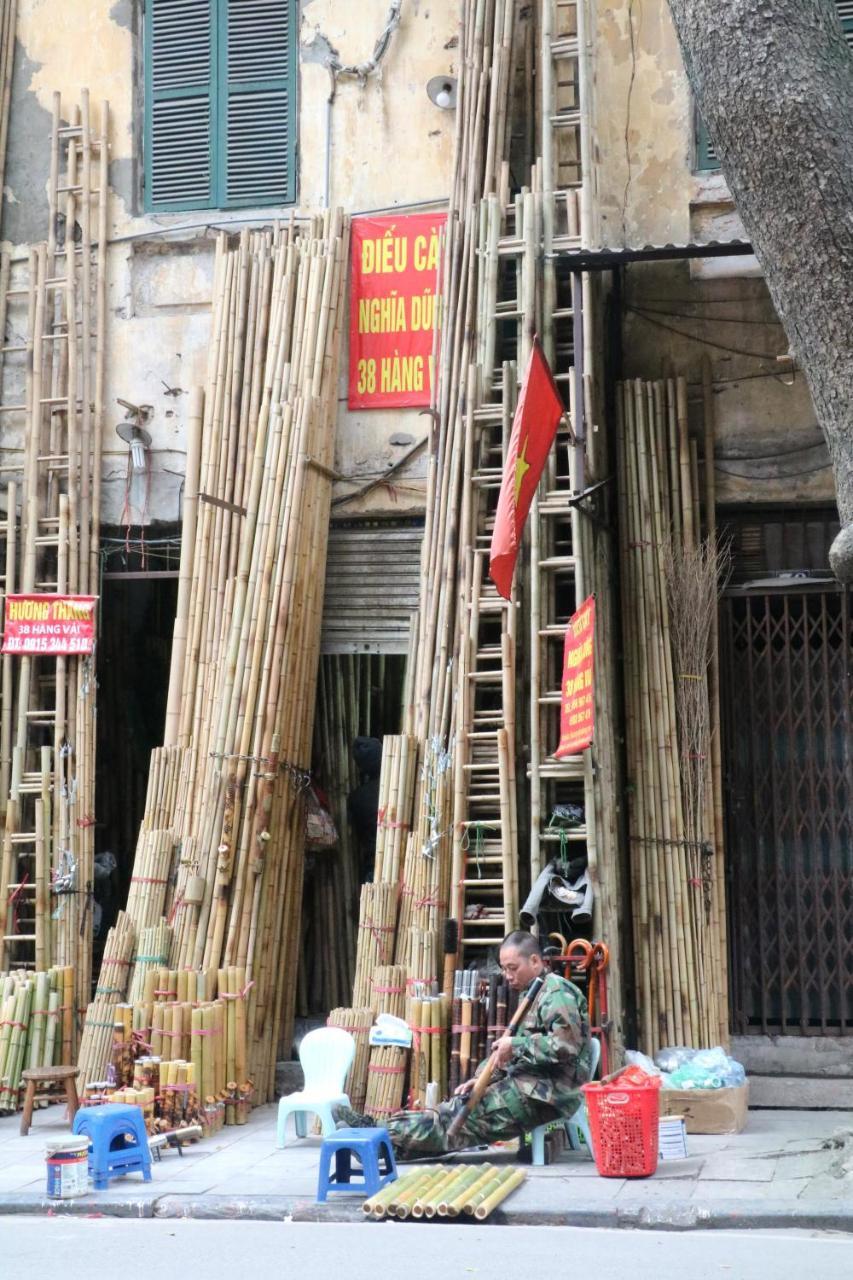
577,706
394,309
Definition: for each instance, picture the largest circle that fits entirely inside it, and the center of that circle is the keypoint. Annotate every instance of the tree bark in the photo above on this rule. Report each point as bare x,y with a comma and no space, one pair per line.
773,80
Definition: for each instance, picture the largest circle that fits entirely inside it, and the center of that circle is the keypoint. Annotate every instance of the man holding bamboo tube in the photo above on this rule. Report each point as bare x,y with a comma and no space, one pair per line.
535,1073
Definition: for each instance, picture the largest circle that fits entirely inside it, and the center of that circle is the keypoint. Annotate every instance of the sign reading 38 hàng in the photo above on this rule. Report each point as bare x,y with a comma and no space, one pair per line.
45,625
394,308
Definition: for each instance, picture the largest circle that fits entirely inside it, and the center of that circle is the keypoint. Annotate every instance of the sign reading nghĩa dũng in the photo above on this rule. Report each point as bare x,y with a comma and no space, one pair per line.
46,625
577,707
394,309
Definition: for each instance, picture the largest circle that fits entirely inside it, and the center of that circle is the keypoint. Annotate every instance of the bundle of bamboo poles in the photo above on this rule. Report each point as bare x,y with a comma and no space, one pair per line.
376,926
99,1022
396,796
61,293
152,954
436,1191
243,675
678,900
420,949
358,1023
388,990
31,1026
386,1081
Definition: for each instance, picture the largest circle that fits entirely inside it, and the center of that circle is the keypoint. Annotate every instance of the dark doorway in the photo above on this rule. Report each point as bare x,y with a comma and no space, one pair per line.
138,598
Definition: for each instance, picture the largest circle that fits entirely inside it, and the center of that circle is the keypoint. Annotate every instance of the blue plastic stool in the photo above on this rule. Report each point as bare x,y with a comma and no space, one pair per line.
118,1141
369,1146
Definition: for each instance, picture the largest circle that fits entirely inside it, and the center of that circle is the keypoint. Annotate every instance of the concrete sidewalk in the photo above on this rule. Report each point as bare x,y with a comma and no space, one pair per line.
788,1169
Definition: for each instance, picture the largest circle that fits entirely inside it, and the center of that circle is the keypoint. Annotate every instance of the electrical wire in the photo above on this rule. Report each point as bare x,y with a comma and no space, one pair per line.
684,315
787,475
707,342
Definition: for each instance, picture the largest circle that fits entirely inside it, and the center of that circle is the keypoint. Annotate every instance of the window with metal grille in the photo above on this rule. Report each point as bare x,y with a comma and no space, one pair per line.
220,103
706,155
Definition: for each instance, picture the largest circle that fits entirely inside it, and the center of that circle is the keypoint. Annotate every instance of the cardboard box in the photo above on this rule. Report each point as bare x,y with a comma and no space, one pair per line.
708,1110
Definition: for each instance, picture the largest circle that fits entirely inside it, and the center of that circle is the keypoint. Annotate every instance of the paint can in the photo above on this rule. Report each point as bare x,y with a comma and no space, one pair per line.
67,1167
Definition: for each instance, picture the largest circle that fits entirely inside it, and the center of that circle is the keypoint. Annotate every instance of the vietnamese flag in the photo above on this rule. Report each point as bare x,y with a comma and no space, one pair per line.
537,417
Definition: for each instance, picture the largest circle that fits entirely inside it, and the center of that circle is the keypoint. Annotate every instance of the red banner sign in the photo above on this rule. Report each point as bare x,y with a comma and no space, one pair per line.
49,625
577,711
393,310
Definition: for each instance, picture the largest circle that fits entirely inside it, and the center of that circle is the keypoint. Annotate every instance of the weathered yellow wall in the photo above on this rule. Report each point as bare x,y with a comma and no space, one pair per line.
648,193
390,147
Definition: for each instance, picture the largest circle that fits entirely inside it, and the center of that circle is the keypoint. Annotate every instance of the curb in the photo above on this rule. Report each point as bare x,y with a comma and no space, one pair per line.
719,1215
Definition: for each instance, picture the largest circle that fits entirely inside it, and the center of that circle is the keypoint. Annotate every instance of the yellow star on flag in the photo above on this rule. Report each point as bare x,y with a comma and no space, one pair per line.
522,466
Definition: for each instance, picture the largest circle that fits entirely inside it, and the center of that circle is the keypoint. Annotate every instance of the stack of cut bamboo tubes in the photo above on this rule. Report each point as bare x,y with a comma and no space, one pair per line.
439,1192
48,846
677,900
243,679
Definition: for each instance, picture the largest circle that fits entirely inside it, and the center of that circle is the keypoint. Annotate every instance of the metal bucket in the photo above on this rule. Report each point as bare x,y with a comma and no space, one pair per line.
67,1167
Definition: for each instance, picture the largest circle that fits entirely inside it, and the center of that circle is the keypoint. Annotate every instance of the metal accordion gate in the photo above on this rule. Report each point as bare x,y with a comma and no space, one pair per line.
788,775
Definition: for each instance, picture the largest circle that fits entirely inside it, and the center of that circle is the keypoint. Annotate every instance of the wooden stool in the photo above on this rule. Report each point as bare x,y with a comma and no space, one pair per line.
48,1076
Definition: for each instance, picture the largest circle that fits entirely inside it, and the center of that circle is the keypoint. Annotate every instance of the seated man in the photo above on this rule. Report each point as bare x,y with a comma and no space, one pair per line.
539,1069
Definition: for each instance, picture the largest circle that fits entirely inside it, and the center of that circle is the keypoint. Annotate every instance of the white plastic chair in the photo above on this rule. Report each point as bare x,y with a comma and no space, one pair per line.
326,1056
577,1126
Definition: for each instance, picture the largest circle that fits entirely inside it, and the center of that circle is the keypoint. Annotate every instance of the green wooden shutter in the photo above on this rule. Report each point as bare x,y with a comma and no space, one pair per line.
180,104
258,40
706,156
845,13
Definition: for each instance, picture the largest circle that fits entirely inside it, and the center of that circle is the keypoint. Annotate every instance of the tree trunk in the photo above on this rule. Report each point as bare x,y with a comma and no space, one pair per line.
773,80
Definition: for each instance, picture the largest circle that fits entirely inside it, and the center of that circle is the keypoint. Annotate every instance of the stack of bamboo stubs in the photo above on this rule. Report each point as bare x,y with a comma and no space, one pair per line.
441,1192
358,1023
97,1038
243,677
670,592
53,382
386,1079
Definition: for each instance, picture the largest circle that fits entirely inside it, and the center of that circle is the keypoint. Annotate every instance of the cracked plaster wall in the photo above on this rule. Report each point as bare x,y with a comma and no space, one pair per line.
648,193
390,147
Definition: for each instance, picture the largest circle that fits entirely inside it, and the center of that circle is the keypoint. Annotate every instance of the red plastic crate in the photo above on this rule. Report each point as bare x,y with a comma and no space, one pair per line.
623,1122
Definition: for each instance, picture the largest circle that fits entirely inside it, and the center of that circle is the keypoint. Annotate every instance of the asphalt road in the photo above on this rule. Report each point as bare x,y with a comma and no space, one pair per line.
78,1248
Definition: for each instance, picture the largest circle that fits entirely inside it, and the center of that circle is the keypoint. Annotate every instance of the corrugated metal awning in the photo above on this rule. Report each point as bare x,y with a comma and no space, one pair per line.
373,576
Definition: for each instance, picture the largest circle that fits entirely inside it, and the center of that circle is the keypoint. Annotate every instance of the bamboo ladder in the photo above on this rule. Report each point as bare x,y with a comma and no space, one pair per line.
48,841
556,579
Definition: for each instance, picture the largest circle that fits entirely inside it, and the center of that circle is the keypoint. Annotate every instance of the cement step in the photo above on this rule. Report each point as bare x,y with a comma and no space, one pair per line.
801,1093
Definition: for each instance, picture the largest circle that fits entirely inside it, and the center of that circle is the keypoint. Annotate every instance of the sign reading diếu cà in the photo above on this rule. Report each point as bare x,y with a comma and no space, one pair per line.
46,625
394,308
577,708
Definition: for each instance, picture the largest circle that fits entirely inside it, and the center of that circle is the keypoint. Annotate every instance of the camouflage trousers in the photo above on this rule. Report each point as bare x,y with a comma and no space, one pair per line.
504,1112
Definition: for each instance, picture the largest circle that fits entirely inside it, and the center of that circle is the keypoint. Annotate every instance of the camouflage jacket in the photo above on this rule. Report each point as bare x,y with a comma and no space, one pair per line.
551,1050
